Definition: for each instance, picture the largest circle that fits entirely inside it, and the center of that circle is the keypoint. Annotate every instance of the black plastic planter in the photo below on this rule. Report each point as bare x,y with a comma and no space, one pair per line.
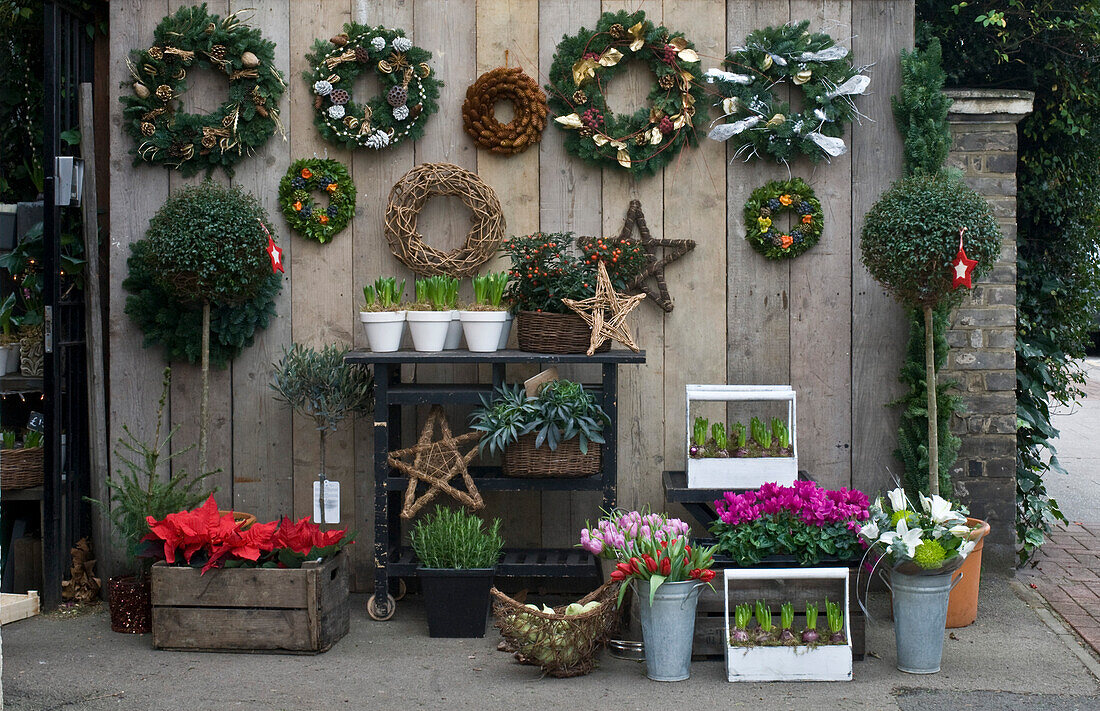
457,600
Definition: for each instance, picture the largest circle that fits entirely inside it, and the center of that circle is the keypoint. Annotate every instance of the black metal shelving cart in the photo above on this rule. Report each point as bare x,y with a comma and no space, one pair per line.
391,394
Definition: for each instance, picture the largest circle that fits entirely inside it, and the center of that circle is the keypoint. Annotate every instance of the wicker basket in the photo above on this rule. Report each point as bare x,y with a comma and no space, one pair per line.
20,468
563,645
524,459
541,332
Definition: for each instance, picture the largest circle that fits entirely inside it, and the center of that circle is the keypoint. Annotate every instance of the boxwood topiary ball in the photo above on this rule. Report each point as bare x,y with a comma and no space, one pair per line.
206,242
911,236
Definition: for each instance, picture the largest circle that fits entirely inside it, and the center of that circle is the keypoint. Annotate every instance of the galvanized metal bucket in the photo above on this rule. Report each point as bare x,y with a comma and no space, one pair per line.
920,619
668,628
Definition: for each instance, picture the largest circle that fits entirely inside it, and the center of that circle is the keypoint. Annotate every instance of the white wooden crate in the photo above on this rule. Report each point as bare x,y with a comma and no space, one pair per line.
741,472
16,606
826,662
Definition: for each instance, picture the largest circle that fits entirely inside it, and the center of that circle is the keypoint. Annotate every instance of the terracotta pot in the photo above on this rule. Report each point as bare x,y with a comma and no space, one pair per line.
962,608
243,520
130,604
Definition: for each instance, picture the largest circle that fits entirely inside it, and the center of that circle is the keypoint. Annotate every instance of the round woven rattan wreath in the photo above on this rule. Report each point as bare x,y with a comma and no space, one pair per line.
758,123
409,88
194,39
306,217
408,197
646,140
764,209
529,103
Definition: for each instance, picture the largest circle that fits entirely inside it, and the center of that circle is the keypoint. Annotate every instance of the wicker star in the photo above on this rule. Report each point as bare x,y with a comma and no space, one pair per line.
436,463
672,249
606,312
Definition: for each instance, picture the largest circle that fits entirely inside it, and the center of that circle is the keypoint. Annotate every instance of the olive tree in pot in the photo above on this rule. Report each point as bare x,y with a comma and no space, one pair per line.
458,554
136,493
320,385
208,245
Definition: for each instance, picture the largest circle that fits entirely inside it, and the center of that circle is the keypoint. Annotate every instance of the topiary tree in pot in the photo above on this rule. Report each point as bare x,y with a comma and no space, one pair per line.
909,243
208,245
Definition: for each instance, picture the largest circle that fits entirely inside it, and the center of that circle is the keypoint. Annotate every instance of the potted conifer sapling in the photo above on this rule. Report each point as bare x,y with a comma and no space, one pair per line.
382,317
485,319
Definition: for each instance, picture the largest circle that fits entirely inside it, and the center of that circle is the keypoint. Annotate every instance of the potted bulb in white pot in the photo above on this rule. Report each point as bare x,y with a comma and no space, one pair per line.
454,330
430,316
484,321
382,317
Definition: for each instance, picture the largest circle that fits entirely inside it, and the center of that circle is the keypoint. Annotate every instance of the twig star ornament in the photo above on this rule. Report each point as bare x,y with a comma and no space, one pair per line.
672,250
964,268
606,312
436,462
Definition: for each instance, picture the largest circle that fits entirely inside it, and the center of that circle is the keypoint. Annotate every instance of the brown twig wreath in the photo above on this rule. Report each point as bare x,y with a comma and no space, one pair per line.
529,101
408,197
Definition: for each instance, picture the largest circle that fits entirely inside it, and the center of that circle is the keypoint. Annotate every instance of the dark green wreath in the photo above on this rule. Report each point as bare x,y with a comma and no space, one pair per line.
768,203
410,89
647,140
758,123
302,214
193,39
178,327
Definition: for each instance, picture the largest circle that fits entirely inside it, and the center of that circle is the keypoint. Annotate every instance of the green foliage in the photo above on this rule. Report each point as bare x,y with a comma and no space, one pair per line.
739,434
718,432
545,270
178,327
7,439
384,294
911,236
320,385
489,289
177,139
780,433
647,158
786,616
140,490
422,90
310,219
456,539
920,109
763,616
24,265
207,243
439,292
741,615
21,100
1050,47
811,616
699,432
760,433
912,450
834,614
561,411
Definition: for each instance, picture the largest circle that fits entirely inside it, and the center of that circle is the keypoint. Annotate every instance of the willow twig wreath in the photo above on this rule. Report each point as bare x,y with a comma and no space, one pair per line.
194,39
768,204
584,63
408,197
758,123
410,89
308,218
510,84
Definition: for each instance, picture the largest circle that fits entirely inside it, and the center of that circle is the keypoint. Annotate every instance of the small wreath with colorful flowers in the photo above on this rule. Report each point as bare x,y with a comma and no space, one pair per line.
768,203
410,89
306,217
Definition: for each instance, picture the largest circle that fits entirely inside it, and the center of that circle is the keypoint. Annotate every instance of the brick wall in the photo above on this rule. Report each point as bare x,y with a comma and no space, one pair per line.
983,329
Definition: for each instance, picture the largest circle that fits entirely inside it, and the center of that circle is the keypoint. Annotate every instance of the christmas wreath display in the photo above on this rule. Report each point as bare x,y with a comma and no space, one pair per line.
758,122
584,63
194,39
528,100
768,203
409,88
306,217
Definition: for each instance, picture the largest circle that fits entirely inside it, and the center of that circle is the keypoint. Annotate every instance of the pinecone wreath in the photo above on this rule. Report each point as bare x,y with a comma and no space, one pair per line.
505,84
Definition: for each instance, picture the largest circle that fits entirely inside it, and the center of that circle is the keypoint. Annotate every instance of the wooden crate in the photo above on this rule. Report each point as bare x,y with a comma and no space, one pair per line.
294,611
17,606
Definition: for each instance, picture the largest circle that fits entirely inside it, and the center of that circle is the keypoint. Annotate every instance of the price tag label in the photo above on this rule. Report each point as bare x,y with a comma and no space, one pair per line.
36,422
331,498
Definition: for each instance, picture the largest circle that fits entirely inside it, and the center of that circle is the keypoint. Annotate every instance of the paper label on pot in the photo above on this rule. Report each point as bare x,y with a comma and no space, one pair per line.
332,502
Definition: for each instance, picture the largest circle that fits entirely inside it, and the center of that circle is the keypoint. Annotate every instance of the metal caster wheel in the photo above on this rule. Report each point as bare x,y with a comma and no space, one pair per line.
372,610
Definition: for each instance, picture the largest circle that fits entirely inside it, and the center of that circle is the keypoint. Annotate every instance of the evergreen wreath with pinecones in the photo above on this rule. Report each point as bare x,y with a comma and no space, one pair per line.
645,141
194,39
410,89
755,119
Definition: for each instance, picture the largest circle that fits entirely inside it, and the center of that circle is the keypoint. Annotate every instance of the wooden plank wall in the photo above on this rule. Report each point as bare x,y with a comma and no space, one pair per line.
819,322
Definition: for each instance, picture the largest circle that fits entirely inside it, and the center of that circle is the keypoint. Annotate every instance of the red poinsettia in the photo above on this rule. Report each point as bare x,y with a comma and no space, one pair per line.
191,531
248,544
304,535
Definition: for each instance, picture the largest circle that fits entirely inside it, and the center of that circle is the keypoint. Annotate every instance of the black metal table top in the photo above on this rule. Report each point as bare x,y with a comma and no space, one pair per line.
506,356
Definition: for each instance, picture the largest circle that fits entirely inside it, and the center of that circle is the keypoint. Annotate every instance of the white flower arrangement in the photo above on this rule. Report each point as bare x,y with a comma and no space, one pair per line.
934,537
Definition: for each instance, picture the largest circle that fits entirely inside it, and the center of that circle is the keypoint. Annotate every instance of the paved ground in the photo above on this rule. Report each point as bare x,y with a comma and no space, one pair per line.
1011,658
1078,491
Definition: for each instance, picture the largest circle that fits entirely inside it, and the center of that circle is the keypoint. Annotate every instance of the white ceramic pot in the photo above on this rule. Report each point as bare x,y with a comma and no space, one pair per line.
482,329
13,357
429,329
5,352
454,332
505,331
384,329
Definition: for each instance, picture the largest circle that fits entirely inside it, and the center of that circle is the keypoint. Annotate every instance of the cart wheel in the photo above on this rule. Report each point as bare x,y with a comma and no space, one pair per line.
372,609
402,589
